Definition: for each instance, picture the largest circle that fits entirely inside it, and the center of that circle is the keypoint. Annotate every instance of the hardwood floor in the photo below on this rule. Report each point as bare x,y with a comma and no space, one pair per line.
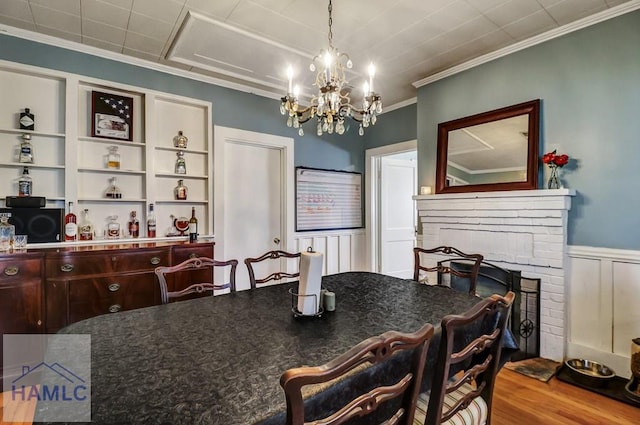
519,400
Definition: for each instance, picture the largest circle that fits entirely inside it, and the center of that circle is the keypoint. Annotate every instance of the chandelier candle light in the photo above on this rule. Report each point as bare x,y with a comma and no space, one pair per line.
332,104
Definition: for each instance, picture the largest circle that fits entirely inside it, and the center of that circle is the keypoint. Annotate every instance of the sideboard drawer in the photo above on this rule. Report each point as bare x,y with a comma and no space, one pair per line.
20,270
184,252
91,297
106,262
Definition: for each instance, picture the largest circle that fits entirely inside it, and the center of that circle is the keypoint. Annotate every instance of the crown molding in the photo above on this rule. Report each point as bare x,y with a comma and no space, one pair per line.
533,41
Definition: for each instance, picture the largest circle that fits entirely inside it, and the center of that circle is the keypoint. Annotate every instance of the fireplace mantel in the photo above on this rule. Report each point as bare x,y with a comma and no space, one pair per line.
522,230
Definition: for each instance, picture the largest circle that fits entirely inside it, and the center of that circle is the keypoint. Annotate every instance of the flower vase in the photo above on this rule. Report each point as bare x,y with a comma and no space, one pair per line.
554,180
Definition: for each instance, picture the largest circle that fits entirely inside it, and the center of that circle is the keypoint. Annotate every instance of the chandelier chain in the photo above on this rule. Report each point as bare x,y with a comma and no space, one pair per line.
330,8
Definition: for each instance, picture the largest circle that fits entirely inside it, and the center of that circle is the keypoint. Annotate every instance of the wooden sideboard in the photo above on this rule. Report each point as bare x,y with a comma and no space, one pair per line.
44,290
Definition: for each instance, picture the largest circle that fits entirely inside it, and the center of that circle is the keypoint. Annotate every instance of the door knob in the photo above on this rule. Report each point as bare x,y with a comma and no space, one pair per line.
276,240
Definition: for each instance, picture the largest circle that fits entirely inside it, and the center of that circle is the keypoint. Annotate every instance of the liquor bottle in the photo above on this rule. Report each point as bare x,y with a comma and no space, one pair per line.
26,149
25,183
70,225
180,141
180,191
181,165
134,225
27,120
193,226
85,229
113,158
151,223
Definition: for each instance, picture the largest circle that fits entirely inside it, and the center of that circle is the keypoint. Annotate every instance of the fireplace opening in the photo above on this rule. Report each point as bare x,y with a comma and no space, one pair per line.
524,322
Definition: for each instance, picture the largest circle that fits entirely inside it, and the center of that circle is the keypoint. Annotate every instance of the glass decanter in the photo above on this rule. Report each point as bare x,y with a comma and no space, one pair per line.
113,158
181,165
113,191
7,232
113,227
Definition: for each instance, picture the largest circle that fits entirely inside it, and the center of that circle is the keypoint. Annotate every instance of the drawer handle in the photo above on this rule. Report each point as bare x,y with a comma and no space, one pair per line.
115,308
113,287
193,255
11,271
66,267
155,260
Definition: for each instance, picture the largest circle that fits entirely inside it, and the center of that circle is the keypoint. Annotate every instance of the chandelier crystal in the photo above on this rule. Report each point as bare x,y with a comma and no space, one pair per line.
332,104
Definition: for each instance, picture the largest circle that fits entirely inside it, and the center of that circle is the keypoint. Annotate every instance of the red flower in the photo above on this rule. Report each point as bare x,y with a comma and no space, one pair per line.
553,160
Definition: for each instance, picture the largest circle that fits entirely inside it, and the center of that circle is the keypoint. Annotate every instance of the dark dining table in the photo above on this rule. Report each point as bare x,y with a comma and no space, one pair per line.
218,360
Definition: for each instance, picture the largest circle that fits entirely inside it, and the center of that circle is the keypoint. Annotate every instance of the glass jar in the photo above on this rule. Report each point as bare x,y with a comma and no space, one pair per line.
113,228
180,141
181,165
180,191
7,232
635,357
113,158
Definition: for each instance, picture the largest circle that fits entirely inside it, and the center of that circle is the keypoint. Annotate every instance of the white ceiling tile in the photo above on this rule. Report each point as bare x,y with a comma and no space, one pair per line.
106,13
512,11
548,3
144,44
613,3
141,54
570,10
162,10
220,9
71,7
149,27
17,9
60,34
104,32
123,4
27,25
485,5
101,44
54,19
453,15
531,25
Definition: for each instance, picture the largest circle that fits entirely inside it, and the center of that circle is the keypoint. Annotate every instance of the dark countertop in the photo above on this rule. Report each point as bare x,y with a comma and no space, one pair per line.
219,360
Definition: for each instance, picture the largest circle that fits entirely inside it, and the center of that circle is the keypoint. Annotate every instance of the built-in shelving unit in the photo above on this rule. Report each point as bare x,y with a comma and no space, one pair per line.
70,163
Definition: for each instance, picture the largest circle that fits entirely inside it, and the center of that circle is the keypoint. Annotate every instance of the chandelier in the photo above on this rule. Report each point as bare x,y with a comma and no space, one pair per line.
332,104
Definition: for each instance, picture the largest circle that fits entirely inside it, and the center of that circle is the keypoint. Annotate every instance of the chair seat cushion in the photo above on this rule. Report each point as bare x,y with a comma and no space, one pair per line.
474,414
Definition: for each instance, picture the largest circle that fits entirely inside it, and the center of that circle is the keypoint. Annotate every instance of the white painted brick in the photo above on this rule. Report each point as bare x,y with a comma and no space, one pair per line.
556,314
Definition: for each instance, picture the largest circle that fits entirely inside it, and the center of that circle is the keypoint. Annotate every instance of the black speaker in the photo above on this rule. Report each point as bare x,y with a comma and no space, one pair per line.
25,201
39,224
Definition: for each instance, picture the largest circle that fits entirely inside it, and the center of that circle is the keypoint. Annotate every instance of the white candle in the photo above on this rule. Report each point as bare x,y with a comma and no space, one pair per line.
425,190
372,73
290,76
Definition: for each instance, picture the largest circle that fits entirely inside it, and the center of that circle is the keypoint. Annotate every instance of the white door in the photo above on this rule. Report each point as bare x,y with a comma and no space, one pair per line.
397,216
253,214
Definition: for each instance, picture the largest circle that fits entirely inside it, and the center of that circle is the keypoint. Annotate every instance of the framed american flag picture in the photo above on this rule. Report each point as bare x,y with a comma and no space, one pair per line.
111,116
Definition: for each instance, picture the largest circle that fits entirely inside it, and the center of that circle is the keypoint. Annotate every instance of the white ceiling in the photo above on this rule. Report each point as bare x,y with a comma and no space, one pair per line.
250,42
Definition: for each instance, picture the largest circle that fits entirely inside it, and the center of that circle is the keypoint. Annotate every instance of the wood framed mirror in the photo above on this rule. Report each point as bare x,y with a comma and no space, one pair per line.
494,150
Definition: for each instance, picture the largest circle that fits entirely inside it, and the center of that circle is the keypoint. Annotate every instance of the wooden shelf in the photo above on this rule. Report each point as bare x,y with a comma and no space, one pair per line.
32,132
111,141
110,171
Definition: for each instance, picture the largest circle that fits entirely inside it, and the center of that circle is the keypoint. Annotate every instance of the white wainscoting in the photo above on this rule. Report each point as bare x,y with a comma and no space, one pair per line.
343,250
603,305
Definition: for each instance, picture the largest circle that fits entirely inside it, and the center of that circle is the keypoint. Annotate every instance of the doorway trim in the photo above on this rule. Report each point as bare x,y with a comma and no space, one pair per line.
372,202
224,135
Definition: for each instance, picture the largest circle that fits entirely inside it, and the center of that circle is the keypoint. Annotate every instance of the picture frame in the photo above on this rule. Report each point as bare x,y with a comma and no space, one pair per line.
111,116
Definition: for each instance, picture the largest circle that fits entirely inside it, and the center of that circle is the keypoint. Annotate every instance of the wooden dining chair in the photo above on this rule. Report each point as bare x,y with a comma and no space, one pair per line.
467,364
460,278
271,256
191,264
370,387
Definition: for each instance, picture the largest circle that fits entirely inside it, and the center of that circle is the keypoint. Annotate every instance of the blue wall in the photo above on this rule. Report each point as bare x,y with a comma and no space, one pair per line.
231,108
589,84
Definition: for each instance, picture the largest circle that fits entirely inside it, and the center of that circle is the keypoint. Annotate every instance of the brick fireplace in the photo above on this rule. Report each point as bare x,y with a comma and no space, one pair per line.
522,230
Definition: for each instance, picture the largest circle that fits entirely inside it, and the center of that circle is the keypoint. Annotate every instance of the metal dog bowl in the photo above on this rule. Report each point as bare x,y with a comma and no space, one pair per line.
589,373
632,390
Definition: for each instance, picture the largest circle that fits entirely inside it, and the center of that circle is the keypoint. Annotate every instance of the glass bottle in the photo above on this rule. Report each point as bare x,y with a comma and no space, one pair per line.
26,149
7,232
151,223
134,225
113,191
180,191
180,141
86,229
181,165
27,120
25,183
113,227
193,226
113,158
70,225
